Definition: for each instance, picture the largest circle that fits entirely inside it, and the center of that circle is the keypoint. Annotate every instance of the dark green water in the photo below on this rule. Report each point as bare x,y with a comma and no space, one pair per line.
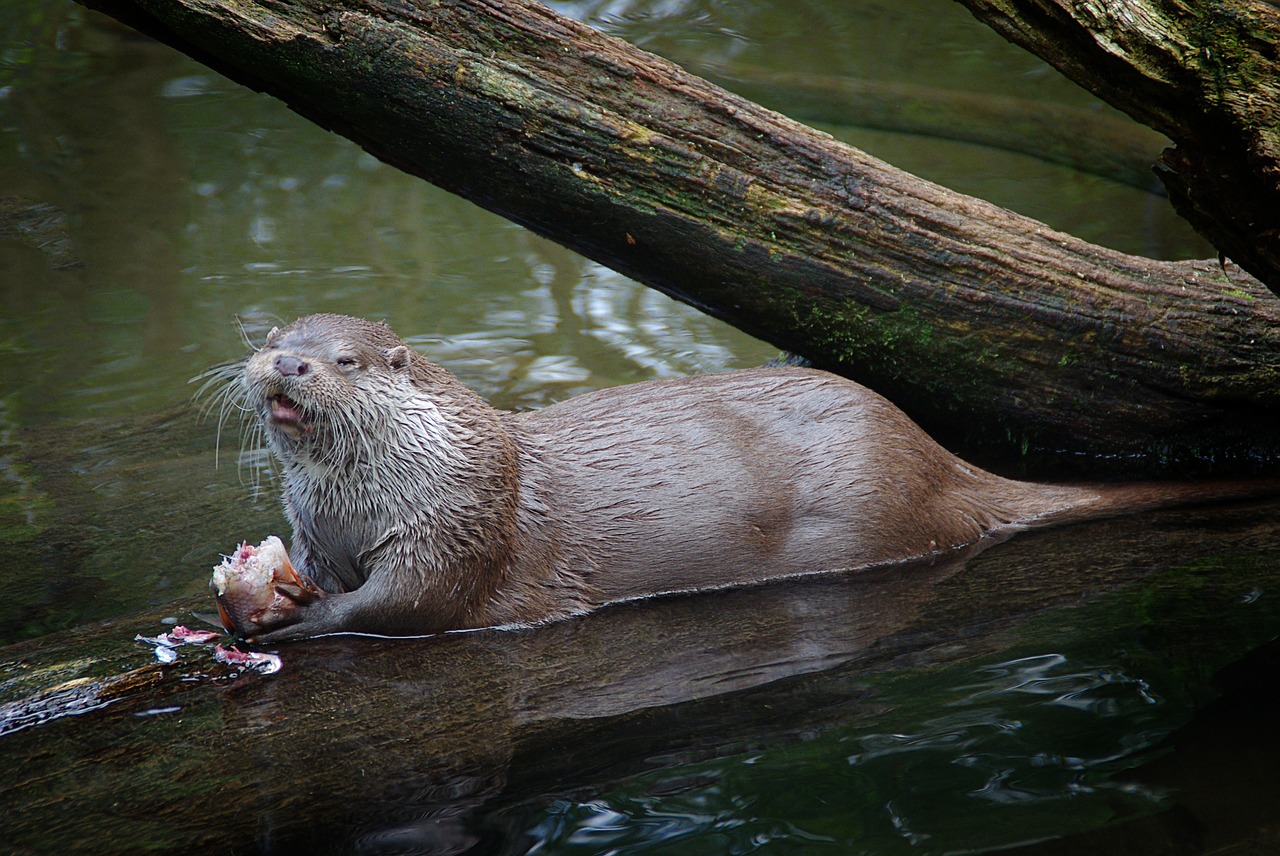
149,209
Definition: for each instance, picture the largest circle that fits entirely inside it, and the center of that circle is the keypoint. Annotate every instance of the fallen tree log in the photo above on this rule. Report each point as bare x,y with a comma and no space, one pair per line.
1205,74
967,314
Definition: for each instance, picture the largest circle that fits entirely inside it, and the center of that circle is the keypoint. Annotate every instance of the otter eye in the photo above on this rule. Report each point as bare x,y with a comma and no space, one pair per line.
345,362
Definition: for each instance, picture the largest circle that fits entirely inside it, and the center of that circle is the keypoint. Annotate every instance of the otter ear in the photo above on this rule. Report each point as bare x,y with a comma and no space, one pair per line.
398,358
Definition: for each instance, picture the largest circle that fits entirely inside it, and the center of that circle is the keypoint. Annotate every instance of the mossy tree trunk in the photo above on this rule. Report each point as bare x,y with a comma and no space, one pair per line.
965,313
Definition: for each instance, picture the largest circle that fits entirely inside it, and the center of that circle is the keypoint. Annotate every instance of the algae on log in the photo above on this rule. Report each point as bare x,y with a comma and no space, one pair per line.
1207,75
964,313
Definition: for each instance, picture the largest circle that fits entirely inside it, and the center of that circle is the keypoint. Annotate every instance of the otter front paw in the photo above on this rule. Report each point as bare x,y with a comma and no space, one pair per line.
258,591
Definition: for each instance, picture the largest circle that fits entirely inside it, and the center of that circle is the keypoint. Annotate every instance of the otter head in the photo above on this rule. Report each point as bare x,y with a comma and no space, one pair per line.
314,383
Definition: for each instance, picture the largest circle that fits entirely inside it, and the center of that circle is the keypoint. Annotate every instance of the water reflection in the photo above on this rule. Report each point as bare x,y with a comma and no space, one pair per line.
549,342
984,754
928,88
899,792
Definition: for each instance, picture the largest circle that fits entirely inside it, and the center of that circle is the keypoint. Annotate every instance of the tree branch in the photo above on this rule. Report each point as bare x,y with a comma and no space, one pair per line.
1207,75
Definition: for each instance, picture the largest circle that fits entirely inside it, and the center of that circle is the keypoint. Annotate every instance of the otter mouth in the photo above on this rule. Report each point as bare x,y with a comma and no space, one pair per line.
287,413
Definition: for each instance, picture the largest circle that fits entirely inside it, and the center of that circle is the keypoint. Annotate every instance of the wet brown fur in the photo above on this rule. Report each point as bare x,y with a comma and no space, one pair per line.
419,508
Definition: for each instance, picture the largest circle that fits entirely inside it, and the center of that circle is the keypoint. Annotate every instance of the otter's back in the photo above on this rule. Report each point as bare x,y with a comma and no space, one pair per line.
738,477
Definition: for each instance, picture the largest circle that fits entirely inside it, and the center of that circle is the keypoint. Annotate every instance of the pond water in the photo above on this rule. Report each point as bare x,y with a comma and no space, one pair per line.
153,215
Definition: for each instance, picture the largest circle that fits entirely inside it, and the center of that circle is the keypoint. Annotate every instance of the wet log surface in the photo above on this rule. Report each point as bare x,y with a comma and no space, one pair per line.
981,323
359,743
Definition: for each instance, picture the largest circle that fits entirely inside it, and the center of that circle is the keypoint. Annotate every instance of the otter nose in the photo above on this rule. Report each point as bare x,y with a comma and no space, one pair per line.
290,366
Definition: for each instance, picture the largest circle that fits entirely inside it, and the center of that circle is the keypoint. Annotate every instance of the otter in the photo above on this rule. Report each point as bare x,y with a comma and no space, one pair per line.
418,508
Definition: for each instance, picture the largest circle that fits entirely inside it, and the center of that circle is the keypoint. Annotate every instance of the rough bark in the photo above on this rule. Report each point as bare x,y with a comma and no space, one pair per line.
1205,74
965,313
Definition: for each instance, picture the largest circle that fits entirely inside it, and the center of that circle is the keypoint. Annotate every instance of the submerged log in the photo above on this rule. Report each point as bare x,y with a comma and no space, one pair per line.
966,314
361,741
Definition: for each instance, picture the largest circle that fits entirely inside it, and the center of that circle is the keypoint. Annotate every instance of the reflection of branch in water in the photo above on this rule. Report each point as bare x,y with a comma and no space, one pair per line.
1092,142
582,327
861,82
626,332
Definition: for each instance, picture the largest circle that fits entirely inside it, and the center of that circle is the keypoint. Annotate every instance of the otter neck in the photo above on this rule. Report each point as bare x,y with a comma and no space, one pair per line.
439,472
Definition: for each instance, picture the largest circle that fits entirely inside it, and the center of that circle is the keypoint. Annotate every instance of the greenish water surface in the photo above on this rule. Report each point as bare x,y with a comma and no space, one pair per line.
154,214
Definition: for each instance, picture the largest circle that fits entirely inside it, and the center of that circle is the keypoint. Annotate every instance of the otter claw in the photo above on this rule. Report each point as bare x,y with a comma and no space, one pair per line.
304,592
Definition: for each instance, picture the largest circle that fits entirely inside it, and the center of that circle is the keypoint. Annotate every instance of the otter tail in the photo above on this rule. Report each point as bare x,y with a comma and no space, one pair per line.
1048,505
